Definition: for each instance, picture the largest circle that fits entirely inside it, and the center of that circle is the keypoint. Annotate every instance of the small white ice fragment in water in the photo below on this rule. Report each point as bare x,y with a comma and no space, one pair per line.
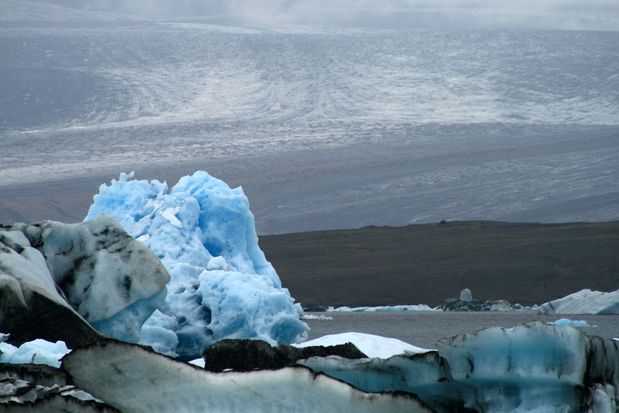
316,317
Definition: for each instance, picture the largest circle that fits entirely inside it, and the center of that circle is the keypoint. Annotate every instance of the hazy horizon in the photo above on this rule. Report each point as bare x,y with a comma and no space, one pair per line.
391,14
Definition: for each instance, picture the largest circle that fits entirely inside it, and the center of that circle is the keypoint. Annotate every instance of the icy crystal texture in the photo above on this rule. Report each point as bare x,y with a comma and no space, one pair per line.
221,284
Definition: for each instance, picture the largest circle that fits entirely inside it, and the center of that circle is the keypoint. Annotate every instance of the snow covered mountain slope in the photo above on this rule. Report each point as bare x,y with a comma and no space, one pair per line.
221,284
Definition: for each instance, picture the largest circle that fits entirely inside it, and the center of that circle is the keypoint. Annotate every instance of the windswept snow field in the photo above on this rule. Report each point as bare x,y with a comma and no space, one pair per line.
323,129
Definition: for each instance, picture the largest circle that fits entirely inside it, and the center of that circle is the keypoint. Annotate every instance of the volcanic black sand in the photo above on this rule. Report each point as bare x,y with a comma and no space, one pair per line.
524,263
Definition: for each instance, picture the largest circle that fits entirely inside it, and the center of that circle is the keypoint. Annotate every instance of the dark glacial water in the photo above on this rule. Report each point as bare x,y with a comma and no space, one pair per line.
424,329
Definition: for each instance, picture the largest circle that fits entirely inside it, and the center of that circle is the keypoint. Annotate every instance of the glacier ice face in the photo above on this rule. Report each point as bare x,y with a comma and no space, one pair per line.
424,374
583,302
533,367
110,279
221,284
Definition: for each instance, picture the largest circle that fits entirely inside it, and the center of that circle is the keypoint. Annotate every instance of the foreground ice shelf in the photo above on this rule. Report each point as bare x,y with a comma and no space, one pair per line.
136,380
533,367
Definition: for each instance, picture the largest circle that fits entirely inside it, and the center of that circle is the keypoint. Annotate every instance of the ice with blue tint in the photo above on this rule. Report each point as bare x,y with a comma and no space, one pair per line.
534,367
221,284
566,322
110,279
33,352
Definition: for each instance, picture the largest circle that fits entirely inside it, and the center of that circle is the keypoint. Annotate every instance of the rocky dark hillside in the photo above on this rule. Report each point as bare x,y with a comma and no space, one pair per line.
524,263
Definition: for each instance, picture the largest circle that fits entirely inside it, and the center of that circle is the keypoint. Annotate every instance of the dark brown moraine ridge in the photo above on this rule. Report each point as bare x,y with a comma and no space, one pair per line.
519,262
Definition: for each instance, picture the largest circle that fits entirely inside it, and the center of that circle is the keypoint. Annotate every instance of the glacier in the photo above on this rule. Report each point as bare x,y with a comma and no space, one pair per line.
221,284
534,367
583,302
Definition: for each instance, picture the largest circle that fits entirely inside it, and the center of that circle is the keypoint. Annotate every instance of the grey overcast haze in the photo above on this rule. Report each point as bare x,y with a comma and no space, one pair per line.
388,14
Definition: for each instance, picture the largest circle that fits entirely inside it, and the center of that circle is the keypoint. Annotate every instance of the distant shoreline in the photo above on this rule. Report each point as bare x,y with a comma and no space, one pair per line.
525,263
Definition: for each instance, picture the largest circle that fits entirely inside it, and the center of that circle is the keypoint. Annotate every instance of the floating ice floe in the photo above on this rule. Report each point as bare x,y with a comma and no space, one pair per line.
34,352
370,344
55,277
221,284
316,317
136,380
583,302
566,322
384,308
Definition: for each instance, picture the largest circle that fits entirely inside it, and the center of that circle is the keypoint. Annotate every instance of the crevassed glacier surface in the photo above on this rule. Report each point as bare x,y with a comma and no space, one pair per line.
221,284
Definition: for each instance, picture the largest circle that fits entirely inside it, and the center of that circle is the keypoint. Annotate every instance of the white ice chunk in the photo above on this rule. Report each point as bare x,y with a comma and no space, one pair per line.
34,352
369,344
170,215
584,302
198,362
316,317
385,308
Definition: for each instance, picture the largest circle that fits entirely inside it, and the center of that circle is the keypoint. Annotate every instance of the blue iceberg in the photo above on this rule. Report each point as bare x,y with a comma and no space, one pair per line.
221,284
